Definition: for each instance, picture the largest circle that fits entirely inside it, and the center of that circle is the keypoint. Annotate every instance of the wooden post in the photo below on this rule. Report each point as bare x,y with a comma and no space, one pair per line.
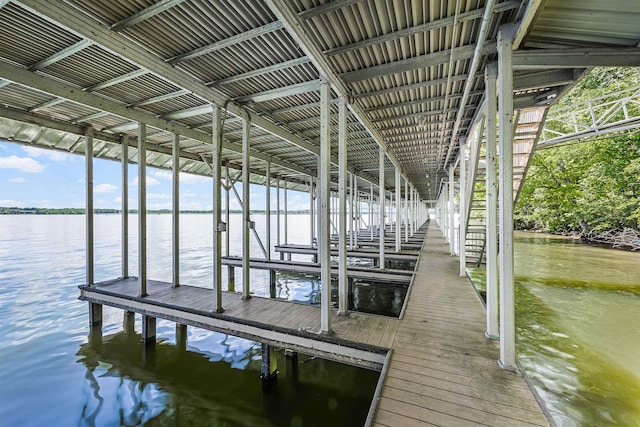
148,329
269,366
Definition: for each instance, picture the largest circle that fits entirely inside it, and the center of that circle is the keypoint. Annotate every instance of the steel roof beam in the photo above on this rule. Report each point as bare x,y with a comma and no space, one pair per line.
230,41
479,52
326,8
419,102
418,62
47,104
72,93
295,27
61,14
59,56
282,92
261,71
545,78
144,14
300,107
576,58
428,26
428,83
116,80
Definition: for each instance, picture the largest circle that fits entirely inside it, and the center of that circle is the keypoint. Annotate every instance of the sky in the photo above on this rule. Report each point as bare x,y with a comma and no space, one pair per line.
34,177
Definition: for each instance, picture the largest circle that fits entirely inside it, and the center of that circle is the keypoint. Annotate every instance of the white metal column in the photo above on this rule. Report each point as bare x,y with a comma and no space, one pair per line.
286,214
491,75
311,212
505,148
398,213
342,208
175,210
382,211
218,227
462,234
125,205
246,220
406,211
350,225
142,209
452,191
371,220
278,211
356,211
227,236
88,152
324,232
412,213
267,210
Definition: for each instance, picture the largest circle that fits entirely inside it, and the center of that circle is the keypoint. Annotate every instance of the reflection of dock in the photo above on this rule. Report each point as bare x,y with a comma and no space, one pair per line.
441,370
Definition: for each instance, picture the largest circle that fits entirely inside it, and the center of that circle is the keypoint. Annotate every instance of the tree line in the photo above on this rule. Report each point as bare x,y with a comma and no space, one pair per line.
585,187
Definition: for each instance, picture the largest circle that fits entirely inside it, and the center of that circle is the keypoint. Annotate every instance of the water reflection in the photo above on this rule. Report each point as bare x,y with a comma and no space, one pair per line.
168,386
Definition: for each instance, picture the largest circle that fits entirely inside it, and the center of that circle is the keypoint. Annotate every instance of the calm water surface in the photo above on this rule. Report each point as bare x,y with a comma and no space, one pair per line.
51,375
578,328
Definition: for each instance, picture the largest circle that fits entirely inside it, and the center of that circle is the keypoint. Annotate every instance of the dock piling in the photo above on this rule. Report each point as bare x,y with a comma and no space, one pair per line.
148,329
269,367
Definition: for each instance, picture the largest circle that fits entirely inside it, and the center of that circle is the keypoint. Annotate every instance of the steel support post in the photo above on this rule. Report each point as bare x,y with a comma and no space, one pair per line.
324,211
350,204
356,211
406,211
227,236
342,208
452,192
462,234
491,75
142,209
398,213
412,214
175,210
505,148
88,181
218,225
371,224
125,206
246,219
278,213
286,214
311,212
382,209
267,209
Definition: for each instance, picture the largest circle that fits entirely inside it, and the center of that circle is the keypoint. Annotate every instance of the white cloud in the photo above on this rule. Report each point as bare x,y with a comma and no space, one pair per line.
18,180
55,156
13,203
158,196
132,202
164,175
104,188
24,164
187,178
150,181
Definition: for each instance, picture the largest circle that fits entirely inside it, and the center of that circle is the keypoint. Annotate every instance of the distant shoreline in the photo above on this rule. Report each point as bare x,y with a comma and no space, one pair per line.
80,211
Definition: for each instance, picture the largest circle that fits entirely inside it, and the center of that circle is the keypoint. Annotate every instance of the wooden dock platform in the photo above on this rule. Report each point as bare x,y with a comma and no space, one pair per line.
402,277
441,370
367,253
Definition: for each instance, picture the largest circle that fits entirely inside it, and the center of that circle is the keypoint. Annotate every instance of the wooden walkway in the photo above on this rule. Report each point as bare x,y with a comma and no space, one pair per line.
443,370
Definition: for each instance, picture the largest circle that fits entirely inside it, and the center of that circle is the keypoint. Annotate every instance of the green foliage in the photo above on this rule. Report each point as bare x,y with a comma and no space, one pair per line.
585,186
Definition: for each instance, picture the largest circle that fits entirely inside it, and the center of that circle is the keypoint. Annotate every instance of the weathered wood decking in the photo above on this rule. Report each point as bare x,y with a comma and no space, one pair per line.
442,370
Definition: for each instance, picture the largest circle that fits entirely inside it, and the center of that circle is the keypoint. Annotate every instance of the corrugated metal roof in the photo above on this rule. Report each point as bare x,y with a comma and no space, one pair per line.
404,64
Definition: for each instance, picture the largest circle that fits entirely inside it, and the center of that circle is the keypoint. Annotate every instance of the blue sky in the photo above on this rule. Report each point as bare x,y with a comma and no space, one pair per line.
33,177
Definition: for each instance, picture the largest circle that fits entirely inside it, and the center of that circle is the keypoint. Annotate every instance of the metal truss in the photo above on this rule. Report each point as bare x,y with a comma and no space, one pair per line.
589,120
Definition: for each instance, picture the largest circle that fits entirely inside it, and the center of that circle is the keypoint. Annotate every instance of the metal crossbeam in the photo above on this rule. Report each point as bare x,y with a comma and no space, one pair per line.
144,14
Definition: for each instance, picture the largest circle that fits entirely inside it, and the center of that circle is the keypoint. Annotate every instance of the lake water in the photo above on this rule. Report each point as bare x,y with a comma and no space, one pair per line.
578,328
578,325
50,375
